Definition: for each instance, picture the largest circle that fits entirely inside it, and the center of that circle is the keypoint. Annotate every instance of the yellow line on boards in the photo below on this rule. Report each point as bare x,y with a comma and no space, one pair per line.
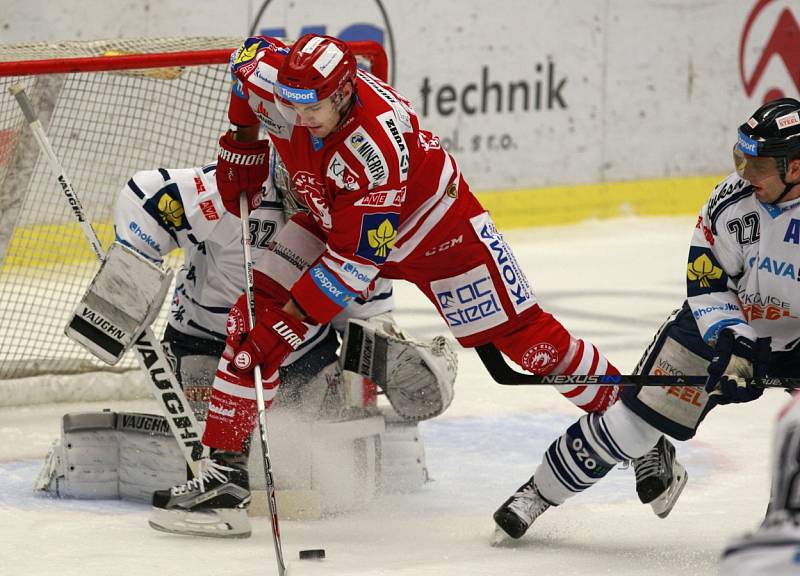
559,205
55,244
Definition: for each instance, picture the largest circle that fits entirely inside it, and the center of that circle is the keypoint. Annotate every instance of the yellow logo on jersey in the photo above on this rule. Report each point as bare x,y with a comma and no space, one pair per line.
247,53
702,270
382,238
171,210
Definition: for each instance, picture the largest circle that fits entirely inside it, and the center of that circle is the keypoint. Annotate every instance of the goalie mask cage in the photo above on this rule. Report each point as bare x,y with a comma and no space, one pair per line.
110,109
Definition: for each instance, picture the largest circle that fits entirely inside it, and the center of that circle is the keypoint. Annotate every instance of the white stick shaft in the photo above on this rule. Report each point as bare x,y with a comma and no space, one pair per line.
244,212
167,391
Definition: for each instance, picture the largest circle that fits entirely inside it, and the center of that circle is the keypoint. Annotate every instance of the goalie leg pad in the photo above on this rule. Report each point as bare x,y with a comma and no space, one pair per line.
416,377
123,299
109,455
403,467
85,463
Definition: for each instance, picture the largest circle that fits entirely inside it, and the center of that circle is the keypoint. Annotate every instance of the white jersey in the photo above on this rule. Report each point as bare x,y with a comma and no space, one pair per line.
161,210
744,266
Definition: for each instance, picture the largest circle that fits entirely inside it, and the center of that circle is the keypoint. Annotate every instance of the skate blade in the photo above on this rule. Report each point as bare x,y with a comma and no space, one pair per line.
215,523
664,505
501,539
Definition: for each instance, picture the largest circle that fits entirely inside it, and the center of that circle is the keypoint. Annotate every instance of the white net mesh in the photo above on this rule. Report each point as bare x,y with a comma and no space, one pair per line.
104,126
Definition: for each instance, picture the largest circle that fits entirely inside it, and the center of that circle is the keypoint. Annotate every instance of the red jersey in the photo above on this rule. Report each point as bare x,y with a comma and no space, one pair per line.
385,196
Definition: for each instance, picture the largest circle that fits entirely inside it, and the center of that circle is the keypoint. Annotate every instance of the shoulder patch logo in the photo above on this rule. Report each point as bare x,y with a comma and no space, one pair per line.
703,270
246,53
171,210
378,234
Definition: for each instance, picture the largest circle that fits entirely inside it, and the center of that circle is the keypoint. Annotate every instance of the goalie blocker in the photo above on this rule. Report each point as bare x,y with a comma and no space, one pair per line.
123,299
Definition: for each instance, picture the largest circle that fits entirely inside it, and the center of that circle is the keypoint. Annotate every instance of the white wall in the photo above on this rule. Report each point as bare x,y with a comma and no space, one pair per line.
651,88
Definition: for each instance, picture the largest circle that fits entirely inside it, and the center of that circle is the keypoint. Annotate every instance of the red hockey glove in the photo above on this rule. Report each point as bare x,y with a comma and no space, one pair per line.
241,167
275,336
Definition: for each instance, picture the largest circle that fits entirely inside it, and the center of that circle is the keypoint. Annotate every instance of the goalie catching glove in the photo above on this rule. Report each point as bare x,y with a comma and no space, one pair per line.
416,377
241,167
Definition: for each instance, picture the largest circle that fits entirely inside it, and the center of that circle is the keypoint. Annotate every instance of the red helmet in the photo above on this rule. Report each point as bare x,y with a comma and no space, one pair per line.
316,67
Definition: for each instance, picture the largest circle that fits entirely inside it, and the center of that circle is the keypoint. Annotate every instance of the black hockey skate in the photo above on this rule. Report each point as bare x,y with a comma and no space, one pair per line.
517,513
212,504
660,478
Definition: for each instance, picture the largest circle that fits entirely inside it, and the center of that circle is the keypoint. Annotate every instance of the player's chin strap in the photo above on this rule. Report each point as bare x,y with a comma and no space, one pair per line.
783,166
786,190
504,374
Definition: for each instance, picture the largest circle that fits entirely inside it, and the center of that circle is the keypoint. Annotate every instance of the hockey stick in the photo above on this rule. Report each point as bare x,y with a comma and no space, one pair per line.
244,212
504,374
166,389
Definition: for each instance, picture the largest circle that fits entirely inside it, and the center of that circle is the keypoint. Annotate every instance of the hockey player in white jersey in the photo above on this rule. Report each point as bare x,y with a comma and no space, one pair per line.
742,294
161,210
774,548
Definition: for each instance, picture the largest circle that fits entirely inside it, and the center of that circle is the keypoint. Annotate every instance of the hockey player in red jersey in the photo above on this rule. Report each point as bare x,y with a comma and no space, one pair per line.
384,198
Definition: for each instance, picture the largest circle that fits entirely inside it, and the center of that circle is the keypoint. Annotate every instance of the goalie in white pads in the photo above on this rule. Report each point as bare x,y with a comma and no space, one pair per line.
740,321
160,210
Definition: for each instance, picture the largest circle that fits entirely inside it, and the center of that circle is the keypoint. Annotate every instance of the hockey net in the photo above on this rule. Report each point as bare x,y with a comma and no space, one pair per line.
110,109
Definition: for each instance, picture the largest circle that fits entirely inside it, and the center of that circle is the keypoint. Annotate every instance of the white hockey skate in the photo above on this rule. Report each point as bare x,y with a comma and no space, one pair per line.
660,478
517,513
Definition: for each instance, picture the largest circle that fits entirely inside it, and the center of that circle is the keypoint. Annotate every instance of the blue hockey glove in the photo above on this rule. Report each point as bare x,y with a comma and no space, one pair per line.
736,359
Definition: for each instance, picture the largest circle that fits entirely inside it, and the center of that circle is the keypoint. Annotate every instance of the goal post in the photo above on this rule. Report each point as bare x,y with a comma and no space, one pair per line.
110,109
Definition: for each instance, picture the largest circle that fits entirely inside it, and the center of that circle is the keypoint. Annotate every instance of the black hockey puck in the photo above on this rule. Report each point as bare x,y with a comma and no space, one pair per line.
315,554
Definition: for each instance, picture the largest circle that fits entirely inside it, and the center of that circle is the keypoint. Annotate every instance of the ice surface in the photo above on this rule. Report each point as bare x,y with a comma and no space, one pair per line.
611,282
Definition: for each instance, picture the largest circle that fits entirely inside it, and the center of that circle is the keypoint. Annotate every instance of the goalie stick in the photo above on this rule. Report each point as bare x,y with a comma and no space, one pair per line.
167,391
244,210
504,374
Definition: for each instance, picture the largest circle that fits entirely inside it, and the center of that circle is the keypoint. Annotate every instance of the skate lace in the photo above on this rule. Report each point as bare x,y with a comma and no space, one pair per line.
648,465
528,504
207,470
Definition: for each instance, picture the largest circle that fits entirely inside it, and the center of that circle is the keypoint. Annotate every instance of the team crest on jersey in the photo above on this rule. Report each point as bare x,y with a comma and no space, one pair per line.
378,234
540,358
704,273
170,210
310,189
